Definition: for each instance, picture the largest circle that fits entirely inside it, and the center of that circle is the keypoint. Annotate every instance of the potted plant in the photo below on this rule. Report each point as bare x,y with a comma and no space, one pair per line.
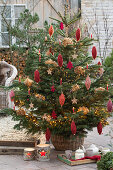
68,94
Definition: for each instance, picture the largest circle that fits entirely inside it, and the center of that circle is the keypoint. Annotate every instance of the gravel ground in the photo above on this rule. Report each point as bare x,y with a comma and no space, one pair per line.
8,133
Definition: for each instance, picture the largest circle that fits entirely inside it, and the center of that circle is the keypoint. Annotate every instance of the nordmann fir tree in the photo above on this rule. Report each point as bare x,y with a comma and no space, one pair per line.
68,94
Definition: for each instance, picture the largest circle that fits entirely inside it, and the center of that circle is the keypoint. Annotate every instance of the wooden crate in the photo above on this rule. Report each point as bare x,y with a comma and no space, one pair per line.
16,147
63,158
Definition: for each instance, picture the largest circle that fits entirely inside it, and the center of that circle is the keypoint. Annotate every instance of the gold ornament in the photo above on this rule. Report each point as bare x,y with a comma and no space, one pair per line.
79,70
84,109
51,62
74,101
31,105
49,71
40,96
28,82
21,111
75,87
99,89
46,117
67,41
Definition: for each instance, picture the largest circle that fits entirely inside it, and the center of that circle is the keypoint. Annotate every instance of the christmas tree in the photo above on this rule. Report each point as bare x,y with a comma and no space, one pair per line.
67,94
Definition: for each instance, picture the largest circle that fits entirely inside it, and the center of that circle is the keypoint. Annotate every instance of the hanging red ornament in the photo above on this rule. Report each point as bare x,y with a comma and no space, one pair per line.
87,66
62,99
54,115
99,128
78,34
61,81
73,128
94,52
51,30
11,95
109,106
99,63
48,134
52,88
60,60
37,76
61,26
88,83
69,65
50,50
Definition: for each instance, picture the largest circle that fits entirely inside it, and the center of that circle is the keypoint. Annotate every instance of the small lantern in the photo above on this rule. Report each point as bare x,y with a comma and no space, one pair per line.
29,154
43,152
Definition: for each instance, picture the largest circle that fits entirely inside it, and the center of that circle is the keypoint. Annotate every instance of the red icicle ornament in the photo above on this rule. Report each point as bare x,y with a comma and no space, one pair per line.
54,115
99,128
69,65
94,52
78,34
62,99
73,128
88,83
37,76
109,106
60,60
48,134
51,30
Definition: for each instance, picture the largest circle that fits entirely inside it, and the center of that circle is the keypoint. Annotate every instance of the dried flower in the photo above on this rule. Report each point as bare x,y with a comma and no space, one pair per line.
67,41
75,87
84,109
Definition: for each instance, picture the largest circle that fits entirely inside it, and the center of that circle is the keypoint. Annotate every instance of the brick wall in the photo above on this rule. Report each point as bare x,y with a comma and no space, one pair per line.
98,15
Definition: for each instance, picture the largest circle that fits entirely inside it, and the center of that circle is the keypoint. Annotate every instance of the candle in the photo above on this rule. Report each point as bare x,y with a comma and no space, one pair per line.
14,107
107,87
91,36
73,109
29,154
87,66
19,78
43,152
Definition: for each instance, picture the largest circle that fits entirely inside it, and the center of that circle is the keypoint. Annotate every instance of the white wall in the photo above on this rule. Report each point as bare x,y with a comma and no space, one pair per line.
104,12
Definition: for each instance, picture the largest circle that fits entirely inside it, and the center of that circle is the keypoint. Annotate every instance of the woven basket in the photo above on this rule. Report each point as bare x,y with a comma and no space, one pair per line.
72,143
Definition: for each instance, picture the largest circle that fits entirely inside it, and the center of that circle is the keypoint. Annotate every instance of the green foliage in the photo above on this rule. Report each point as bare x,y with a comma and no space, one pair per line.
106,162
90,105
31,39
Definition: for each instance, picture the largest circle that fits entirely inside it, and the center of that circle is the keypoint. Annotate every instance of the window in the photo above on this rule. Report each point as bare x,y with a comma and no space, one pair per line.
75,5
8,16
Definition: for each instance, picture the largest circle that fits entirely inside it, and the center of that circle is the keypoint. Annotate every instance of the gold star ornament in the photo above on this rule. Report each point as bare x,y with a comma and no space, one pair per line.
74,101
31,105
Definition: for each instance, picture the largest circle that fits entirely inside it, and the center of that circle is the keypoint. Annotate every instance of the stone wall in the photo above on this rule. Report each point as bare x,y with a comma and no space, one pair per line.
98,15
